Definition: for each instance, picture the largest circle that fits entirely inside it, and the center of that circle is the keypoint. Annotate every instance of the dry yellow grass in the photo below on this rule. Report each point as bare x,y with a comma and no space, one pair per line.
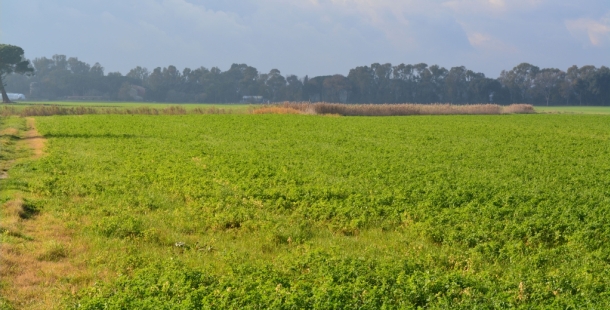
289,108
59,110
8,111
9,132
41,254
519,108
394,109
211,110
36,265
55,110
33,139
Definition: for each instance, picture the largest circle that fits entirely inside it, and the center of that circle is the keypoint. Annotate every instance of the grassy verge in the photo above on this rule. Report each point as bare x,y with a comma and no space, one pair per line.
10,131
38,250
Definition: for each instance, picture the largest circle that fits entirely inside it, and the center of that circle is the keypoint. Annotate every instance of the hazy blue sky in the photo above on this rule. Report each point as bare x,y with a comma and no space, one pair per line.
314,37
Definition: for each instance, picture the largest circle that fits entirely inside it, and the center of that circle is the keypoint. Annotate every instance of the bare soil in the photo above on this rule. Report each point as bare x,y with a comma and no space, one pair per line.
34,140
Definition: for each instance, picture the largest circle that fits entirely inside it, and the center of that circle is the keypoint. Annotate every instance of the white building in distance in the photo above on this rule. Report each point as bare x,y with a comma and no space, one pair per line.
15,96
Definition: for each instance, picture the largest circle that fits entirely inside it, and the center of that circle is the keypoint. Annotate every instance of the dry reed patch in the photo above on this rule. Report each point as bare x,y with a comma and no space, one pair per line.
55,110
519,109
174,110
33,139
8,111
60,110
403,109
211,110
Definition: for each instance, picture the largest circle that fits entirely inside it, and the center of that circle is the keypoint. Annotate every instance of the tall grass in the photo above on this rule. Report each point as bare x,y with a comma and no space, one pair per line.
319,108
392,109
60,110
8,111
275,110
519,109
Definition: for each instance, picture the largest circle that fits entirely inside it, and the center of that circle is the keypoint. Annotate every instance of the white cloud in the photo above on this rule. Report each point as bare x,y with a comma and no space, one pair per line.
202,17
593,32
487,42
470,7
399,21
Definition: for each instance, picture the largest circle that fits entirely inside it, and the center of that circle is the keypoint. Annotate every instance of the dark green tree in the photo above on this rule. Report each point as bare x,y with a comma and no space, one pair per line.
548,82
139,73
336,88
12,61
600,85
294,89
363,84
520,82
382,74
456,85
276,82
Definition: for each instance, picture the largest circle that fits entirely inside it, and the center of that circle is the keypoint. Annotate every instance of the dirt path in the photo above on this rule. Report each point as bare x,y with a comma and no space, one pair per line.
34,140
37,249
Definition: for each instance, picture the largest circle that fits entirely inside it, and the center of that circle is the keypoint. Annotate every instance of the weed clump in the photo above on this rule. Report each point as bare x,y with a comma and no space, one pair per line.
54,251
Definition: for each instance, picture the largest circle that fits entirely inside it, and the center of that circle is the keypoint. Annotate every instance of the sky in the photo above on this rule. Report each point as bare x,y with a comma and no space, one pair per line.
312,37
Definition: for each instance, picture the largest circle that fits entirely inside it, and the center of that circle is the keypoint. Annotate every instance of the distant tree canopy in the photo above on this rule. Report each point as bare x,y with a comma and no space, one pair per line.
11,61
62,78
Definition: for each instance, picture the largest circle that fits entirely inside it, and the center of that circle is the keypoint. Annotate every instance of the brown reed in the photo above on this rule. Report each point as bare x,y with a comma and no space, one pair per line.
393,109
174,110
8,111
211,110
61,110
319,108
55,110
519,109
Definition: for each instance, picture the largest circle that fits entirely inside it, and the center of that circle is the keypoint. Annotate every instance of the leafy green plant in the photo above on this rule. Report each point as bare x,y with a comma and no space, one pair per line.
301,211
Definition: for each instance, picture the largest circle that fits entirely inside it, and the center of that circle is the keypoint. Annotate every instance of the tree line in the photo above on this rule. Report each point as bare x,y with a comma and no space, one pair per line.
63,78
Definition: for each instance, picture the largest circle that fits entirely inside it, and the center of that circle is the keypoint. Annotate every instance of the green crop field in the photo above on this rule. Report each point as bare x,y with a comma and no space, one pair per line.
574,109
301,211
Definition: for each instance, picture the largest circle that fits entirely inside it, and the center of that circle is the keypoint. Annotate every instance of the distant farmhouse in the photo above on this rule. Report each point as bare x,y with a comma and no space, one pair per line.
253,99
136,93
15,96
